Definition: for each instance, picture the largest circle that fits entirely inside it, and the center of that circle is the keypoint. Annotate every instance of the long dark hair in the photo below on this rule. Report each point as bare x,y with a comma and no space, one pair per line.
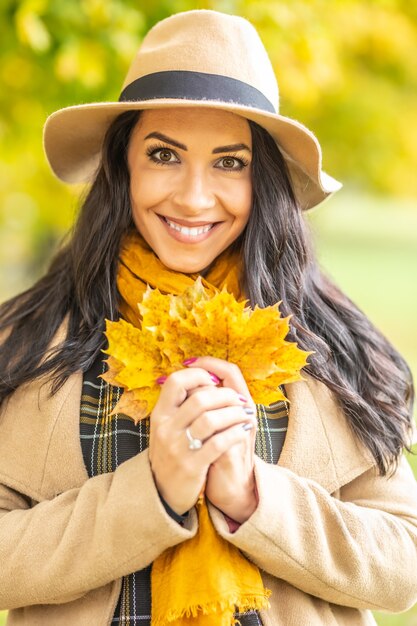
371,381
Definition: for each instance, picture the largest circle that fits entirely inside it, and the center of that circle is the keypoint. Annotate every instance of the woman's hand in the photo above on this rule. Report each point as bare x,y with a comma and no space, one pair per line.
230,481
190,399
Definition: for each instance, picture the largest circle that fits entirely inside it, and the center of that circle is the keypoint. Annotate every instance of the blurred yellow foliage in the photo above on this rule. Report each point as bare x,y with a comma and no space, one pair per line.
347,70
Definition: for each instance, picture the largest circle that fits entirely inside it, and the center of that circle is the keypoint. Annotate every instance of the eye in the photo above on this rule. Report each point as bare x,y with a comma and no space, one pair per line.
162,155
232,163
229,162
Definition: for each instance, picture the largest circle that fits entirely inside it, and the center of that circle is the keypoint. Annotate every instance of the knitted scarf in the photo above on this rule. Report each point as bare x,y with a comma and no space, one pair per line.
204,580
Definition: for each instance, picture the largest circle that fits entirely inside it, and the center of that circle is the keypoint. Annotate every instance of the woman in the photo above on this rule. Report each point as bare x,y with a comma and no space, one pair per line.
195,173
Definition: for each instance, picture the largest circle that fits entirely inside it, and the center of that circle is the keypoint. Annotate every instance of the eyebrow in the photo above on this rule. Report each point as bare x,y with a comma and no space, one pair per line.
177,144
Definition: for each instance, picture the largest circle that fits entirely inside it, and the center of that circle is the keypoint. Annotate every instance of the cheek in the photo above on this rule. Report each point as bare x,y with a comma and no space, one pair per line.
144,194
242,202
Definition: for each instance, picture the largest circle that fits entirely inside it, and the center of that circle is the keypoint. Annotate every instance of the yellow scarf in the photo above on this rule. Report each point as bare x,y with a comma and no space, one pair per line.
202,581
139,267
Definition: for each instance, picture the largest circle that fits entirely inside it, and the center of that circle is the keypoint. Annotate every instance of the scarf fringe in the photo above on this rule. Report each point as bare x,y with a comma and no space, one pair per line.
232,604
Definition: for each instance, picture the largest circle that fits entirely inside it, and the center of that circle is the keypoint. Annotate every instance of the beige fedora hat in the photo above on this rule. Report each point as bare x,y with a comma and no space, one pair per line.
199,58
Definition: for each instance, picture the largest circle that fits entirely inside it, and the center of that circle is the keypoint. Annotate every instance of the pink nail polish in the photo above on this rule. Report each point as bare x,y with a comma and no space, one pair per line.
242,398
161,380
189,361
214,378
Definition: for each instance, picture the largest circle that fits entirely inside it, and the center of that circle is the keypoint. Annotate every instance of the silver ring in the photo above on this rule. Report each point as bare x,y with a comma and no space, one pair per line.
193,444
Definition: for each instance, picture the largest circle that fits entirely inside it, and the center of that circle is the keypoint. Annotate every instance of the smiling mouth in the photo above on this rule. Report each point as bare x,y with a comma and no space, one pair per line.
188,231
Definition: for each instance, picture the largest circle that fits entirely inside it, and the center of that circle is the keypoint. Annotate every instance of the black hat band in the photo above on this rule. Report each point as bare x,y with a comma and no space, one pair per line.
185,85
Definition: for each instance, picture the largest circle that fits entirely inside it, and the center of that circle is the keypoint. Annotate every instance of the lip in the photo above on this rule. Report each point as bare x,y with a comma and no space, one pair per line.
181,237
181,222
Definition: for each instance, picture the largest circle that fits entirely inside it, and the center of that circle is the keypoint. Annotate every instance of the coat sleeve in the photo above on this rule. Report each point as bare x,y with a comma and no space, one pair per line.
358,549
59,549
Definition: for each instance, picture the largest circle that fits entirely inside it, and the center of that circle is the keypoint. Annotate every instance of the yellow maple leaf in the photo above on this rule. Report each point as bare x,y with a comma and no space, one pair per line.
133,357
197,324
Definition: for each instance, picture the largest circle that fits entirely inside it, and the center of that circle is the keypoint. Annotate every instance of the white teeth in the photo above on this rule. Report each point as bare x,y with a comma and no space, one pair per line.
190,232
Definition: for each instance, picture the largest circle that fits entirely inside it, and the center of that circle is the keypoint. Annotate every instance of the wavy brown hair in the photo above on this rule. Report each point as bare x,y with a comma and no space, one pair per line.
369,378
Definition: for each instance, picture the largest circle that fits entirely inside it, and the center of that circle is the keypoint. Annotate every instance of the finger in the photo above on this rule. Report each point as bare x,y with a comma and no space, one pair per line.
191,392
228,373
222,442
211,422
206,400
176,387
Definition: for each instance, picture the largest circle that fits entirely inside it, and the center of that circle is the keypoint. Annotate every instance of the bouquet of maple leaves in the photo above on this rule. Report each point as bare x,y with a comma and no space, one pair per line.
173,328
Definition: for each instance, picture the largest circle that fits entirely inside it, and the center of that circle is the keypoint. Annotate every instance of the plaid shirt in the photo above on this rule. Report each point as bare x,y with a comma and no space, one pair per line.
108,441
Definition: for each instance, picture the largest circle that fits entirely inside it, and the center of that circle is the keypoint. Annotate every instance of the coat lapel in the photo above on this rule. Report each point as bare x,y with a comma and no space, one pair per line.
319,444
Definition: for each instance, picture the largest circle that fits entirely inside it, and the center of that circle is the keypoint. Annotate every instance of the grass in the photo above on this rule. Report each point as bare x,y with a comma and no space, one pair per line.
370,250
369,247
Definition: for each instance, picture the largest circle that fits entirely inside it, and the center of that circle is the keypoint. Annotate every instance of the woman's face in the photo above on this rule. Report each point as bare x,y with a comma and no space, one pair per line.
191,187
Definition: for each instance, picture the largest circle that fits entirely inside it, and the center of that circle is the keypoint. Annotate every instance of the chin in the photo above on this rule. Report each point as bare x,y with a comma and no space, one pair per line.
184,268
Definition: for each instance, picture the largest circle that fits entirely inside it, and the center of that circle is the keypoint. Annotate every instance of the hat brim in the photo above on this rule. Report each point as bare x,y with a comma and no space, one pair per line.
73,139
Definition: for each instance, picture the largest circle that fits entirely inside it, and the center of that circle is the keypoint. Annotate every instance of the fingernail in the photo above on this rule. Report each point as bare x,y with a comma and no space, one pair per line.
242,398
161,380
248,426
248,410
189,361
214,378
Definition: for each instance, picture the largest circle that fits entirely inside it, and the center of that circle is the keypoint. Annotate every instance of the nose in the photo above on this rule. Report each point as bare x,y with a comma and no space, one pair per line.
194,192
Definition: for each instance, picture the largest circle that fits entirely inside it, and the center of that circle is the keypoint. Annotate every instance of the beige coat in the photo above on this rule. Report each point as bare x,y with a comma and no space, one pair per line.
331,537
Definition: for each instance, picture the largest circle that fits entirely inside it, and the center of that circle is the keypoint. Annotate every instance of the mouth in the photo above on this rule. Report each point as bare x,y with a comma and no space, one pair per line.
184,233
